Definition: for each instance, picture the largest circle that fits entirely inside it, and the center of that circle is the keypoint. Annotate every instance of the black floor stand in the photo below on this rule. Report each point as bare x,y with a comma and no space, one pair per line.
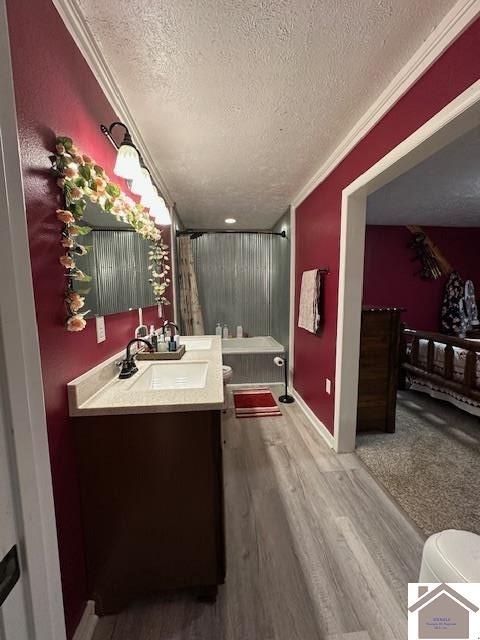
286,398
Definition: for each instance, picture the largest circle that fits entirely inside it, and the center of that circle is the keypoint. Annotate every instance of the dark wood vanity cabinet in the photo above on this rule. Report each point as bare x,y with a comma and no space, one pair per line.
152,500
379,369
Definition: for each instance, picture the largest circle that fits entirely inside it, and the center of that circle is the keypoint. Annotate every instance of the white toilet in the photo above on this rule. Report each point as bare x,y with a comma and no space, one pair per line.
451,556
227,378
227,374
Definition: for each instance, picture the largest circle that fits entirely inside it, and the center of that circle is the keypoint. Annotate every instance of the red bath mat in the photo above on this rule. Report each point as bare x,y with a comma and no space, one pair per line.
255,403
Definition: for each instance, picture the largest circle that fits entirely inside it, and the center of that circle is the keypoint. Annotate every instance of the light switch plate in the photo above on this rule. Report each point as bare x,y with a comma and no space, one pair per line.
100,324
328,386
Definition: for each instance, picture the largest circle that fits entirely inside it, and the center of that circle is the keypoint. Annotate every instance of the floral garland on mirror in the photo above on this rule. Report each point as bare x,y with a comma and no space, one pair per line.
82,180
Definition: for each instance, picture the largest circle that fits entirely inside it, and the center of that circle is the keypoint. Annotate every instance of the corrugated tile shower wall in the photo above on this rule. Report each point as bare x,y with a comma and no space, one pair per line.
237,277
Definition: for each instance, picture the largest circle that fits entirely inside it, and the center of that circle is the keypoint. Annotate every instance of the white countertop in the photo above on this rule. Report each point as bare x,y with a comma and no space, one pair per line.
100,392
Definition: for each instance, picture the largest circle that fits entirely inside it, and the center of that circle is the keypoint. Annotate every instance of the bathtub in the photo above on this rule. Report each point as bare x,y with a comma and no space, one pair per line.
252,359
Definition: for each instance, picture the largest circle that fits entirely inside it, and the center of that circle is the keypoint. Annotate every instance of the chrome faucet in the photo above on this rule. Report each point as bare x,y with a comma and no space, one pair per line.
128,365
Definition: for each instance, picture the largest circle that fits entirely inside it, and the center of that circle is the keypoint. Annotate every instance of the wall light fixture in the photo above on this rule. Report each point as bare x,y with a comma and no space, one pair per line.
130,166
149,197
127,165
160,211
142,183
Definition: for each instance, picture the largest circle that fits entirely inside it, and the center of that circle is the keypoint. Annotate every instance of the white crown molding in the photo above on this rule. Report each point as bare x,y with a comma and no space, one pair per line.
449,29
453,24
87,624
85,40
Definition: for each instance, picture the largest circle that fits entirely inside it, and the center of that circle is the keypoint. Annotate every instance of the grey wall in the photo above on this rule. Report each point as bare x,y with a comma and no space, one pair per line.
244,279
234,275
253,367
281,283
118,264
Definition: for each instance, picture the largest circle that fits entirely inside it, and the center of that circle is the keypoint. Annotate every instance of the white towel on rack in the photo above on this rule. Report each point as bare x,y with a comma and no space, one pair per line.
310,297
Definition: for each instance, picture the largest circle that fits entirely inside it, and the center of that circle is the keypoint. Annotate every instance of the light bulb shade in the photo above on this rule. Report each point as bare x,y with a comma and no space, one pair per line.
142,184
160,212
150,197
127,165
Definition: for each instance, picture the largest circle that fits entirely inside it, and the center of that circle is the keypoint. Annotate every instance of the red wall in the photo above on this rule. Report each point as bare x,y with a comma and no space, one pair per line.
318,217
57,94
390,280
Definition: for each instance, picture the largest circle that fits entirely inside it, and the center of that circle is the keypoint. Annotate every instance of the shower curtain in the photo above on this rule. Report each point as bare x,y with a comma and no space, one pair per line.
190,309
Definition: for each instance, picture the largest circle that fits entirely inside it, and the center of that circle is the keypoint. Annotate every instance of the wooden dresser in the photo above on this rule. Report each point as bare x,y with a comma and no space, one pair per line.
379,368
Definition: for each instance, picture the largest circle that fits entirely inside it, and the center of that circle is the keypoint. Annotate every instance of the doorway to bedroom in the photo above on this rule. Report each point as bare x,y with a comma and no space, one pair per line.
417,424
420,277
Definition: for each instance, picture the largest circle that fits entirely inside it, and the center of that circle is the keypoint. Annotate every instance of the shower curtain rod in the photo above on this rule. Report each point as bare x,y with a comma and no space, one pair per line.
196,233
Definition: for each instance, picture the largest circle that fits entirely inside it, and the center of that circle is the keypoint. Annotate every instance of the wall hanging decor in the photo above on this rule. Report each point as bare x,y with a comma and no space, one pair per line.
434,264
83,181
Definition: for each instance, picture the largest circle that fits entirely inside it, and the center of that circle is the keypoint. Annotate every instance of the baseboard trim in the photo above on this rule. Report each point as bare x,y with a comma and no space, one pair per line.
312,418
87,624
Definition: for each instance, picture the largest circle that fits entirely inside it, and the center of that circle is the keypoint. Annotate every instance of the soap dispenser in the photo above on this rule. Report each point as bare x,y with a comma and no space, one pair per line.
225,331
218,329
162,345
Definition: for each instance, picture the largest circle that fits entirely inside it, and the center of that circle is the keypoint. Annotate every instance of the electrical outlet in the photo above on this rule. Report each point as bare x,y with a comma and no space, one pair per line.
328,386
100,325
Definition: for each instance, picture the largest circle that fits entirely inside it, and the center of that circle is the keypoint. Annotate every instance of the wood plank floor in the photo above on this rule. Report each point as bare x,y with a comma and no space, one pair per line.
315,548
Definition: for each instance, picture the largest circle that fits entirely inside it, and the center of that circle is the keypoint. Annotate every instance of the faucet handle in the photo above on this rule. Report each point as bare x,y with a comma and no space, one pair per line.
128,368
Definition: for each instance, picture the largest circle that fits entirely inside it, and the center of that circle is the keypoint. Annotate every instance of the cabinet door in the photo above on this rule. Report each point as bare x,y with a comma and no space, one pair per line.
152,503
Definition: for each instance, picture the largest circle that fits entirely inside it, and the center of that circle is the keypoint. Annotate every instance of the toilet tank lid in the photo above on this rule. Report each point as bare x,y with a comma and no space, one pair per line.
459,550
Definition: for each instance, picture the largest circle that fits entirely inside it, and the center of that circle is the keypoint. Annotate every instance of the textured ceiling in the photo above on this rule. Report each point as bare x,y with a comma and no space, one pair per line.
239,101
442,190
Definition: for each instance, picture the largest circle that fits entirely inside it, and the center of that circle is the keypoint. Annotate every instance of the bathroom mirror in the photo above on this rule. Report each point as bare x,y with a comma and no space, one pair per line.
117,262
113,252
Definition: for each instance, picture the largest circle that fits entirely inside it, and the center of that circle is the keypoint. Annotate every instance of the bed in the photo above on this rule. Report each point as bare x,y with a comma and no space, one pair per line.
444,367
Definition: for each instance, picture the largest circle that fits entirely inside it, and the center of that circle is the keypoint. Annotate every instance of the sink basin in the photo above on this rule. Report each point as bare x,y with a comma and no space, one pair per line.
171,375
196,344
